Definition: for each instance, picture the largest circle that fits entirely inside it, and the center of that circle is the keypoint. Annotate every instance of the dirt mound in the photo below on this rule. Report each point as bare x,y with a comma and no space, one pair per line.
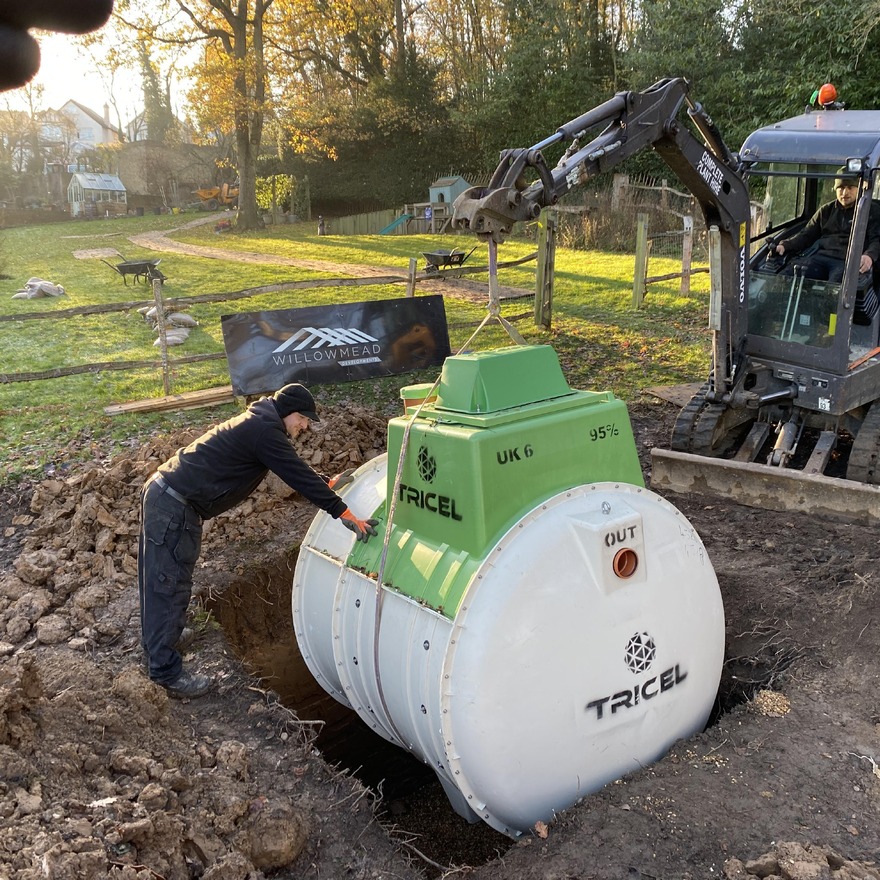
100,776
791,861
81,544
121,794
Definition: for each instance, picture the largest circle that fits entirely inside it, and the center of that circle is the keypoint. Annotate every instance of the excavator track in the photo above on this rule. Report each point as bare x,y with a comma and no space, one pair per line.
686,423
713,434
705,428
864,458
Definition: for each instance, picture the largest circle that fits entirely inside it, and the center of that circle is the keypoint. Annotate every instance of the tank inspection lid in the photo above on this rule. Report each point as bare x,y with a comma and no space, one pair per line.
488,381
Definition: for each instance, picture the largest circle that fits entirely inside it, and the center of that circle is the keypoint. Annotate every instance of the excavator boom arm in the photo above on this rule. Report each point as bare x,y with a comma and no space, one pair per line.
633,121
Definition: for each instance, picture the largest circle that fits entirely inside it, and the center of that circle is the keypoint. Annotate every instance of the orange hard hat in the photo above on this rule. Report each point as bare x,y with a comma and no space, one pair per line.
827,94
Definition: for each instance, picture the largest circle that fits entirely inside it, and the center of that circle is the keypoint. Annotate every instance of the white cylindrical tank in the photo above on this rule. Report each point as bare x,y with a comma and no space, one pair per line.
588,640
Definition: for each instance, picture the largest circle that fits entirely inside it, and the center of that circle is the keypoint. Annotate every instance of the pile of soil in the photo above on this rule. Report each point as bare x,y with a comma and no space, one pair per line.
102,776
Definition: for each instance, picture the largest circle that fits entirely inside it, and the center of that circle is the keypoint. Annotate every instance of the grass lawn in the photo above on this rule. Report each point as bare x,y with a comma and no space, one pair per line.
601,341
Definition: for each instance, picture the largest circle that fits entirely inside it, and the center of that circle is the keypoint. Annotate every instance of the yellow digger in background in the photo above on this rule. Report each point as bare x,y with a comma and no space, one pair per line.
213,197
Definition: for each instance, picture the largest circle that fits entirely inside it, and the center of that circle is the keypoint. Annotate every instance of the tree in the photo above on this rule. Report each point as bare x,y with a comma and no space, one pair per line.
789,51
233,75
560,58
158,118
709,58
230,76
467,40
29,138
110,51
364,113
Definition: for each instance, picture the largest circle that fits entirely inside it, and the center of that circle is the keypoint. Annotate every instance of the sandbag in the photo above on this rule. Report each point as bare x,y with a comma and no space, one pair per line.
36,287
181,319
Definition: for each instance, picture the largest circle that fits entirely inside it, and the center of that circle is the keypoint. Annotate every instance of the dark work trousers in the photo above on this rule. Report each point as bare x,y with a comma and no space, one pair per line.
819,267
168,548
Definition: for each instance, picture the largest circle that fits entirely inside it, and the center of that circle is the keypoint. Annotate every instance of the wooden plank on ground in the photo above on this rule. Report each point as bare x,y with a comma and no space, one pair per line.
678,394
186,400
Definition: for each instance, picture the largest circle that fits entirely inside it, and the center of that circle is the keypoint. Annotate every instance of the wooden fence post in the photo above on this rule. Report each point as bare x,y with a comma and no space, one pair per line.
163,337
641,267
411,278
687,252
546,267
618,186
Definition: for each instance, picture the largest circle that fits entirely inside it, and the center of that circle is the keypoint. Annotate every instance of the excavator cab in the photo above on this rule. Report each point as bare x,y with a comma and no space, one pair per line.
804,392
785,303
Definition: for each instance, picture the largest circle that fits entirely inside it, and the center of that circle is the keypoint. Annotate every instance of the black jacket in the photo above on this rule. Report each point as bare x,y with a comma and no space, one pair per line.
830,227
223,466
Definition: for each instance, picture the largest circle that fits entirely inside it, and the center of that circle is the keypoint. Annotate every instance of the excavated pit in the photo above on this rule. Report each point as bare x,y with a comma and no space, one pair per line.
255,614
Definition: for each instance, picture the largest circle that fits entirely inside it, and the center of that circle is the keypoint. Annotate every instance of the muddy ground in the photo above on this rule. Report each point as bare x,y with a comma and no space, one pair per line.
102,776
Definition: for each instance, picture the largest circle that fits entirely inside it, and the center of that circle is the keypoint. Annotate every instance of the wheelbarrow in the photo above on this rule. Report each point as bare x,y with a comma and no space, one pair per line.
443,259
141,270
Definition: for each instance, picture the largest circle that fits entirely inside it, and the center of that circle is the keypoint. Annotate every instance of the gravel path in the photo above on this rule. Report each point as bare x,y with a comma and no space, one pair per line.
473,290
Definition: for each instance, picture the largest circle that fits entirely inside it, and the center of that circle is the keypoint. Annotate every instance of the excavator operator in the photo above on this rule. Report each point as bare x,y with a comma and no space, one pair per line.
828,230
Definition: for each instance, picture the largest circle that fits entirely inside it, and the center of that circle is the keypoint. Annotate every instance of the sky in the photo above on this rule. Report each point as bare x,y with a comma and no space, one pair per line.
66,73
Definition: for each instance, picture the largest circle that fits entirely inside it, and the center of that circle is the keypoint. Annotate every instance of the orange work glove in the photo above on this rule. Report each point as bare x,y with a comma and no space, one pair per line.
363,528
340,480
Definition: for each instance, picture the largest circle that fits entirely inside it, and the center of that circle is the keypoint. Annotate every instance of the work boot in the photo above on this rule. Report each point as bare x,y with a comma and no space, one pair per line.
187,637
188,684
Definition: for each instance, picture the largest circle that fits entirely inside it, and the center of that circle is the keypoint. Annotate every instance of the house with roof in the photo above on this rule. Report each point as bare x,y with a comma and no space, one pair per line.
58,134
92,130
51,157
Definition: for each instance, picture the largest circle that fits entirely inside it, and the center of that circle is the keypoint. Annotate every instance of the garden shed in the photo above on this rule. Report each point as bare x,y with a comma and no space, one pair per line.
96,195
447,189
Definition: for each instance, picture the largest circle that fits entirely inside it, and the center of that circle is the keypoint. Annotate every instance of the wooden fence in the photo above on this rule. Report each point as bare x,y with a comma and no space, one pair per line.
411,220
176,303
364,224
641,279
166,363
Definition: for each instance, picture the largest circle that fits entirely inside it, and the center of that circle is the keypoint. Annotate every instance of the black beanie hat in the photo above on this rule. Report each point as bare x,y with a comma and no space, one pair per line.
295,398
846,178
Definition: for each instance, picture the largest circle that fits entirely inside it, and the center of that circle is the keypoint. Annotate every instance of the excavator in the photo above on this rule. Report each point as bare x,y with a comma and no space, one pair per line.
213,197
789,414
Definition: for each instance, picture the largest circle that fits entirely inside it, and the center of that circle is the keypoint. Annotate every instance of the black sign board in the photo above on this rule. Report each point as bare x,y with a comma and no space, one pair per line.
338,343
